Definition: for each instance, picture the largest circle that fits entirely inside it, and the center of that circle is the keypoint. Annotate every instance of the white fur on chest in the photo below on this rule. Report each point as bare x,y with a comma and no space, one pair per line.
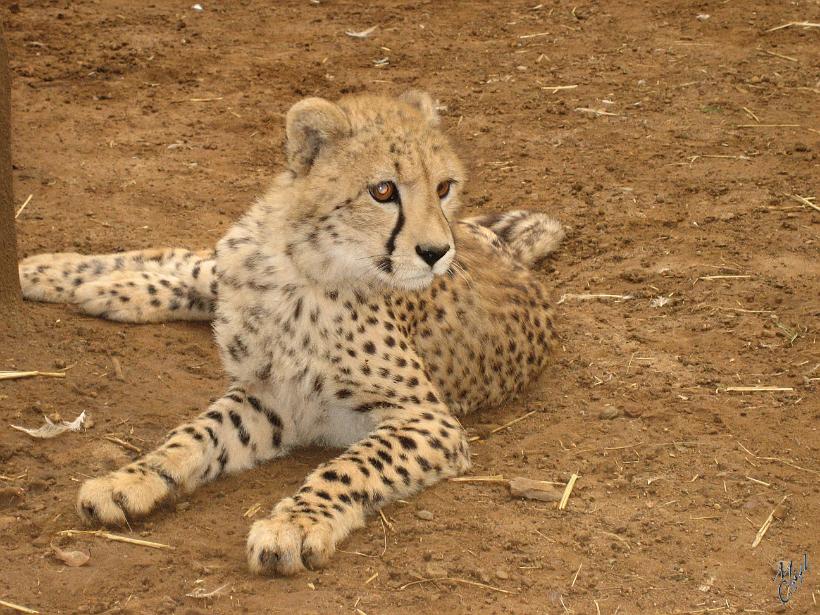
277,335
323,422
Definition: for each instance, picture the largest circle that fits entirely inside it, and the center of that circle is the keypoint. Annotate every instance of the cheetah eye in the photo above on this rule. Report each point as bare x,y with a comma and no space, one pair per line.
443,189
384,192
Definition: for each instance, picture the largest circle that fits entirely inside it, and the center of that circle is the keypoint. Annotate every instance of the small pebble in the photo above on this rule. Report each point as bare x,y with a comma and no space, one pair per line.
502,574
425,515
75,559
609,413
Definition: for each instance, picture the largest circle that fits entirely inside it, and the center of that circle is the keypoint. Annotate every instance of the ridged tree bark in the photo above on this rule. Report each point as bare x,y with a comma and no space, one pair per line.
10,302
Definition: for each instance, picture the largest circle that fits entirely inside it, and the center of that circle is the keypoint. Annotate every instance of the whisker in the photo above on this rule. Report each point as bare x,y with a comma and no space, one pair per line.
458,269
366,257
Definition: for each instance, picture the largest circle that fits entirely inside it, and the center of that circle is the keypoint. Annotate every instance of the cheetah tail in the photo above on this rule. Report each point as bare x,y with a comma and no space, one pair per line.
531,236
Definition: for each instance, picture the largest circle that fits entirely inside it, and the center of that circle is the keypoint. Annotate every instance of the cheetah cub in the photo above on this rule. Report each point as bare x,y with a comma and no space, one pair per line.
351,310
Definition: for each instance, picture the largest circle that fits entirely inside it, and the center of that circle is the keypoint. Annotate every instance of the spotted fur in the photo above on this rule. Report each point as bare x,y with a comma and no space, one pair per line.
334,325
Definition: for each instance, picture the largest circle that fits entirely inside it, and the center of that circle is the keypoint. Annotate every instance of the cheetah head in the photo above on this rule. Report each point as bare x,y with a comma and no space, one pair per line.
374,188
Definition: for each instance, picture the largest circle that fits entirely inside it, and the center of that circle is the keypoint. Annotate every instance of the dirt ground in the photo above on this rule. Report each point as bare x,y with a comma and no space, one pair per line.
671,155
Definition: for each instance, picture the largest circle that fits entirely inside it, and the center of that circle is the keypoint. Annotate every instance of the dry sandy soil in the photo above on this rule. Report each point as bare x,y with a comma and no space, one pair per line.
141,125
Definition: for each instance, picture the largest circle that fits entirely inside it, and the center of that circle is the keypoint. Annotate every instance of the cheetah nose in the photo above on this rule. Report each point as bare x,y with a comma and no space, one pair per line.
431,254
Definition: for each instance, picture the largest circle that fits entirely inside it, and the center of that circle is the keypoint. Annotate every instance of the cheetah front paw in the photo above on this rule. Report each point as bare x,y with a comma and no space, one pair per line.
288,542
121,495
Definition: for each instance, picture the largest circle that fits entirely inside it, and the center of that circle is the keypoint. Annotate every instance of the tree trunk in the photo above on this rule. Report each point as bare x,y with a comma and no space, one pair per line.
10,303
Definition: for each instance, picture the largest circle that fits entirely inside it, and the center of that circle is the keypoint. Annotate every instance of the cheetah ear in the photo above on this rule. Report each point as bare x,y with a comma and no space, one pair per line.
422,102
312,124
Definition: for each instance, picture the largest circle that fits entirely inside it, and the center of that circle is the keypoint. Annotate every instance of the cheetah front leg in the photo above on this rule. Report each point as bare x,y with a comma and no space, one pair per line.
409,449
237,431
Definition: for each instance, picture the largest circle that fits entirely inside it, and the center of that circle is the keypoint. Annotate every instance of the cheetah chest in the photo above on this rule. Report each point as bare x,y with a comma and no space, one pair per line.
306,351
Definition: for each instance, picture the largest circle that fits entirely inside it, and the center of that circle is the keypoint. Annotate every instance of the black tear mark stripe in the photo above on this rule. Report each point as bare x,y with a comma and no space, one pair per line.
390,246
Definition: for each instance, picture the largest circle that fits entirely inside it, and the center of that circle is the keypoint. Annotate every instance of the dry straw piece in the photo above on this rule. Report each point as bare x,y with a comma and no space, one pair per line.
577,572
567,491
756,389
588,297
200,592
791,464
765,527
17,607
386,521
15,375
505,425
596,111
495,478
252,510
558,88
117,538
362,33
124,444
513,422
804,201
723,277
751,114
456,580
23,206
779,55
768,126
791,24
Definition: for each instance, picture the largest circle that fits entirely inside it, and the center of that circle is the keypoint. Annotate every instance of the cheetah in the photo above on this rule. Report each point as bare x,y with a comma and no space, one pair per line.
351,310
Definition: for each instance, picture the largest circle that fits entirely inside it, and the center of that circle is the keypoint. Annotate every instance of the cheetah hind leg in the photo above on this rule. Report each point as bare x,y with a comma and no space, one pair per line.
142,297
531,236
138,286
